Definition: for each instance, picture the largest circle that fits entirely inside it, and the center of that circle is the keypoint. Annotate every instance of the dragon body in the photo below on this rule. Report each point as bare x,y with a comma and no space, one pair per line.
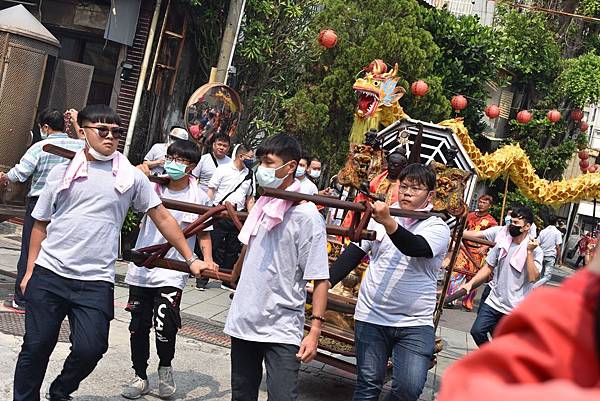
378,106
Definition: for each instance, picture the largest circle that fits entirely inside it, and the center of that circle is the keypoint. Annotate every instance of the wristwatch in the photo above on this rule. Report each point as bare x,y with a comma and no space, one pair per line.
192,260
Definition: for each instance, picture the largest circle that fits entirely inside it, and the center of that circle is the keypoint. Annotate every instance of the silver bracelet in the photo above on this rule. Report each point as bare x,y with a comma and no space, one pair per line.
192,259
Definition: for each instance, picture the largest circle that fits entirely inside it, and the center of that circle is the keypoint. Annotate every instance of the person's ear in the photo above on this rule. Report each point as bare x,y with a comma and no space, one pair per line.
190,167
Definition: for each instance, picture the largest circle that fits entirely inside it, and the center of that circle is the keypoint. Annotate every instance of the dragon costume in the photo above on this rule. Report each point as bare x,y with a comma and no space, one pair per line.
378,106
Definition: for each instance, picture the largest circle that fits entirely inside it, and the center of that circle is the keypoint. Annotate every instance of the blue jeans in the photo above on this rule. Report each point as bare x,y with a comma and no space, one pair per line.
410,348
485,323
546,275
50,297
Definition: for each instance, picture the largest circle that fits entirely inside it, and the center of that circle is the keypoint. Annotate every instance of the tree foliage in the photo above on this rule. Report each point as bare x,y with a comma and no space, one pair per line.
580,79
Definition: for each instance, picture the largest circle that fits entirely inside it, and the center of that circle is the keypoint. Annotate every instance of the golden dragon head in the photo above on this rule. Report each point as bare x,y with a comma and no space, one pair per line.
377,88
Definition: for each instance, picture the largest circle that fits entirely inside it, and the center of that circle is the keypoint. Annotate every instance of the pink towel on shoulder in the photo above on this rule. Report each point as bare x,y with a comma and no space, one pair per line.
121,169
503,241
269,209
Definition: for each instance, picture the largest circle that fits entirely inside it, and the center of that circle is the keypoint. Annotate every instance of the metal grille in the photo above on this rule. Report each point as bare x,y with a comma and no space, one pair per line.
506,99
203,330
14,324
24,41
71,85
18,100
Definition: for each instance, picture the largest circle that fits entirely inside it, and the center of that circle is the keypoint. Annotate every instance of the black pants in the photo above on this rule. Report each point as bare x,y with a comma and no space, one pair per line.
25,238
50,297
580,258
246,370
158,308
225,246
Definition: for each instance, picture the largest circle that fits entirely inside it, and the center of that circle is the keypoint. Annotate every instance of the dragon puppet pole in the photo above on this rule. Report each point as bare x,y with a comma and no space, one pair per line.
504,197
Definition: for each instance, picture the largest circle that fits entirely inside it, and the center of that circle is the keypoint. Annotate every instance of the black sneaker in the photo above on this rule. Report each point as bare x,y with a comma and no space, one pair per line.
201,286
58,398
227,286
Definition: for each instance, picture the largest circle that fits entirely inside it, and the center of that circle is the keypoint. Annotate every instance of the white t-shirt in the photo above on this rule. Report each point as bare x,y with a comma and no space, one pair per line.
307,187
85,220
149,235
399,290
206,168
549,238
269,301
158,151
509,286
225,179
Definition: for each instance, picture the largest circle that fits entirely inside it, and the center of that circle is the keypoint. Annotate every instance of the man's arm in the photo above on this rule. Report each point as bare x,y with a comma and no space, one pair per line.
211,193
308,347
480,277
26,166
558,252
249,202
169,228
205,244
532,271
38,234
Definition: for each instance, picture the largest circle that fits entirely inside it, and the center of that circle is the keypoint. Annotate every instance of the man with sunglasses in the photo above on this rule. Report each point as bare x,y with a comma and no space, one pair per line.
396,301
72,254
37,164
516,261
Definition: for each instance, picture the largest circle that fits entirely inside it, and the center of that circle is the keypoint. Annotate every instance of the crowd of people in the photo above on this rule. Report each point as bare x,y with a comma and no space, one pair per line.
75,210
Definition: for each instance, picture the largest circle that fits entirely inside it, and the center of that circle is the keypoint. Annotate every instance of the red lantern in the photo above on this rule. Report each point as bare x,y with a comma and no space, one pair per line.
327,38
584,164
419,88
576,115
553,116
524,116
492,111
593,168
583,154
584,126
459,102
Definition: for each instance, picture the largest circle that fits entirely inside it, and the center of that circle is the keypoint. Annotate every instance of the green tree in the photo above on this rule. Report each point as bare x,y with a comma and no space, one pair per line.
468,60
270,57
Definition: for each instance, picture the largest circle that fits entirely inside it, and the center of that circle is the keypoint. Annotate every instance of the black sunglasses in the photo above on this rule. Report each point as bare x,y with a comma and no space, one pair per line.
103,131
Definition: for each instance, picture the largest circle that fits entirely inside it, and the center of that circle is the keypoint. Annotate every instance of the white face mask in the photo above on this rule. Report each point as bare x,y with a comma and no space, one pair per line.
300,171
97,155
265,177
315,173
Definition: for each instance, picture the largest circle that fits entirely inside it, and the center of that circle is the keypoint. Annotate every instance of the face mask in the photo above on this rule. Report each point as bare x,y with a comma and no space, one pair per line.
175,170
315,173
248,163
514,231
300,171
265,177
507,220
97,155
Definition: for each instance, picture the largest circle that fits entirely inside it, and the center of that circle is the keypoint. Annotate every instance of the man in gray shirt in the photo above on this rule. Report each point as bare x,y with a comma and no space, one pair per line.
516,262
550,239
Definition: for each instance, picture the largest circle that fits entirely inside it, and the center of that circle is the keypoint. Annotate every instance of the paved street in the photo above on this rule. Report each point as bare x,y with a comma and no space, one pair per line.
202,360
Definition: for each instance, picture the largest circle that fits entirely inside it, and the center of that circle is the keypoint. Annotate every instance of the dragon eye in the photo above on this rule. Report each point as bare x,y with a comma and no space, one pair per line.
376,83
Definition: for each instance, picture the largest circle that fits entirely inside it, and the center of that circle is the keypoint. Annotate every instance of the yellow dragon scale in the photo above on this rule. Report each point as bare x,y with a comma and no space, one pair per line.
512,159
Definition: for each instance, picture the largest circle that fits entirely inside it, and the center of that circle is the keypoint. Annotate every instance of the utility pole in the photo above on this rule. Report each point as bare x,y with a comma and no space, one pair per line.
230,36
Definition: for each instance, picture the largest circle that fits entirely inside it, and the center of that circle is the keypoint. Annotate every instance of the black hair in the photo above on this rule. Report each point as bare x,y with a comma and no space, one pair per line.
281,145
305,156
53,118
185,149
222,137
98,113
522,212
552,220
420,174
241,149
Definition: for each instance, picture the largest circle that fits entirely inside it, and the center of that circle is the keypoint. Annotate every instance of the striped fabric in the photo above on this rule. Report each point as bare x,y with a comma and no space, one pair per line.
37,164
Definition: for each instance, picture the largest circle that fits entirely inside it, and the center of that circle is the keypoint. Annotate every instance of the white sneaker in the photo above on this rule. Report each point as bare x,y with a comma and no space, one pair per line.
166,383
136,388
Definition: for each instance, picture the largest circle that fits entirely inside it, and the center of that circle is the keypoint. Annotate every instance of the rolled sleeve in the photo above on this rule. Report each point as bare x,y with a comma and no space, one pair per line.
492,257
